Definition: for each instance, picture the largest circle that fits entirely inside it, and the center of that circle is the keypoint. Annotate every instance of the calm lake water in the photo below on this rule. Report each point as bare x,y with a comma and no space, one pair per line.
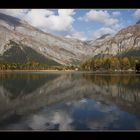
69,101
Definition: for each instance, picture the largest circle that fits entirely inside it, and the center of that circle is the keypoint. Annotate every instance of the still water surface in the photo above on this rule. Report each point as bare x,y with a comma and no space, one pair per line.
69,101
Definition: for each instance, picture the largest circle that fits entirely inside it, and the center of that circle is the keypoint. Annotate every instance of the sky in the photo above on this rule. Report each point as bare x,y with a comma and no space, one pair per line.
83,24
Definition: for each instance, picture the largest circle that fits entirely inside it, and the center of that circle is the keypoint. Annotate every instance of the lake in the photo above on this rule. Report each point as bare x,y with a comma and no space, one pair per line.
69,101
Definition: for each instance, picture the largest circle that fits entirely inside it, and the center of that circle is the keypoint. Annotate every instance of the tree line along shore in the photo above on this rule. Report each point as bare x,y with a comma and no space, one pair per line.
34,66
93,64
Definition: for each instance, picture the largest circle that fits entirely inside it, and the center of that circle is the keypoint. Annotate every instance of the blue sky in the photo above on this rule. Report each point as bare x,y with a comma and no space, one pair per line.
83,24
125,18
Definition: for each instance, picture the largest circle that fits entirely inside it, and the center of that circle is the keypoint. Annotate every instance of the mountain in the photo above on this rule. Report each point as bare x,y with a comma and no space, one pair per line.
125,43
103,37
45,47
20,42
24,54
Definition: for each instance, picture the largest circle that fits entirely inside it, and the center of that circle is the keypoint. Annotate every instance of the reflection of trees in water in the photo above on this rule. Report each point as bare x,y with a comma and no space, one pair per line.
17,84
131,82
126,87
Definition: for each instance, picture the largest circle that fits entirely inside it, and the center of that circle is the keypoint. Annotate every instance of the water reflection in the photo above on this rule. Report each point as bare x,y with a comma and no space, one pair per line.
72,101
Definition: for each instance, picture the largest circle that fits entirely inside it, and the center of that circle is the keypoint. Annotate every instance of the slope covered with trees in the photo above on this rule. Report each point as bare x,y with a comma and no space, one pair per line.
24,55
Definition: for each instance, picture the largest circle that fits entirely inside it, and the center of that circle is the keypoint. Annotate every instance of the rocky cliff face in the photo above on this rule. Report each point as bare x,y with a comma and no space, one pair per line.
125,40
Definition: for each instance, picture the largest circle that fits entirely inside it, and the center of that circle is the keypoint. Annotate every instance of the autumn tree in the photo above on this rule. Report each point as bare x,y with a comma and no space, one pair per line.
125,63
115,64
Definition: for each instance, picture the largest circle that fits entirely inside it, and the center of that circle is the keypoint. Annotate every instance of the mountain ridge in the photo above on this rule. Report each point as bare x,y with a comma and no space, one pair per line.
61,50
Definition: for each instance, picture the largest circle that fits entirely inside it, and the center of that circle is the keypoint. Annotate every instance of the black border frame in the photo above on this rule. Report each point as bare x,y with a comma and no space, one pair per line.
70,4
78,4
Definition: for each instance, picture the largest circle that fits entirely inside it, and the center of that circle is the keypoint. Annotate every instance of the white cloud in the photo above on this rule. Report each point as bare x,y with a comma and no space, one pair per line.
37,17
95,15
65,12
101,16
118,27
19,13
61,21
137,14
77,35
111,24
102,31
44,19
47,20
116,13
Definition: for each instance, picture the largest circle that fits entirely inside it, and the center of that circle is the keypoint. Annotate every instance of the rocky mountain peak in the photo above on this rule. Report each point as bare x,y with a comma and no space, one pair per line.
103,36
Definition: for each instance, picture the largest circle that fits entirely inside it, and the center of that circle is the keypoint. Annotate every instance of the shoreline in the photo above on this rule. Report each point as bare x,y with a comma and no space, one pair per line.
7,71
93,72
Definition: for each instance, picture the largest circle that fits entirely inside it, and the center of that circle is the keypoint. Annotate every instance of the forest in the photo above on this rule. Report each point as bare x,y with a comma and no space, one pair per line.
111,63
33,65
92,64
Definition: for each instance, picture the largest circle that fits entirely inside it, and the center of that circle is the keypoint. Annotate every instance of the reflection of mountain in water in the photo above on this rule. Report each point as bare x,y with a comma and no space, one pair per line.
51,89
21,84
